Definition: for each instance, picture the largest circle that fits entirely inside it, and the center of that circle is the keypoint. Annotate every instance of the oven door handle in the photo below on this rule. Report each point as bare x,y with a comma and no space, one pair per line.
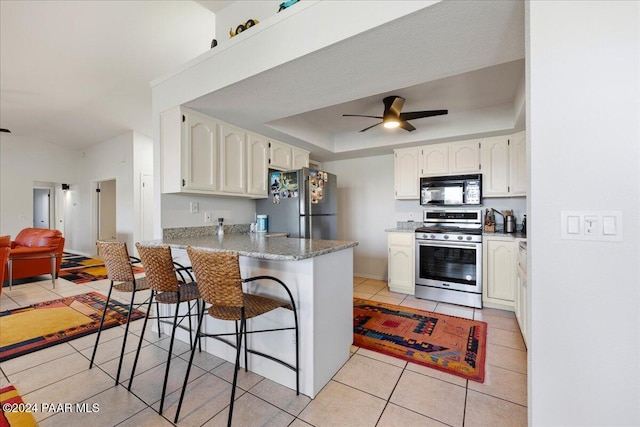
448,244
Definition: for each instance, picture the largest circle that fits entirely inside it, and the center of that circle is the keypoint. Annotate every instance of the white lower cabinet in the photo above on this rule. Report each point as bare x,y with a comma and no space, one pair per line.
499,272
401,259
521,294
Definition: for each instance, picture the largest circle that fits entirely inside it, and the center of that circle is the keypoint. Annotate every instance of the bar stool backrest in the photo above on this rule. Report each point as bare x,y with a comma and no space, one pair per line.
158,266
116,260
218,277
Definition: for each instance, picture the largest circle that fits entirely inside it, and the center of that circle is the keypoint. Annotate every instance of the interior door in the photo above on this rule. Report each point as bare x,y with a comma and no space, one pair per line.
106,208
41,209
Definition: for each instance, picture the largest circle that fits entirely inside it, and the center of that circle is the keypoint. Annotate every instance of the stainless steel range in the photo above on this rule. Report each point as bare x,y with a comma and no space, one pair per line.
449,256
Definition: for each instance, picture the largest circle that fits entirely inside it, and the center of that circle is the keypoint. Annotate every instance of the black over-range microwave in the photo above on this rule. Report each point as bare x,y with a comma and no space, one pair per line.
454,190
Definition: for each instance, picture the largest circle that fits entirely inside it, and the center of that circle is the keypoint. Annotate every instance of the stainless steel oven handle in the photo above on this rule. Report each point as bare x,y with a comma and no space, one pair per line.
448,244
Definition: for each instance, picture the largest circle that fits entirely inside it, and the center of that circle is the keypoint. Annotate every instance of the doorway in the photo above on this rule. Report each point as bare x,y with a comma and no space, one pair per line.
106,210
41,208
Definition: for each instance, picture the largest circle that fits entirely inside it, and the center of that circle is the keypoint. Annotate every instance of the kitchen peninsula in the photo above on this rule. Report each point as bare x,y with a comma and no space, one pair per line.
319,274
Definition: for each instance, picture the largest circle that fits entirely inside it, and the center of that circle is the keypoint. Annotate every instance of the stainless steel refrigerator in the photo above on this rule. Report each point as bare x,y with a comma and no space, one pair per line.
303,203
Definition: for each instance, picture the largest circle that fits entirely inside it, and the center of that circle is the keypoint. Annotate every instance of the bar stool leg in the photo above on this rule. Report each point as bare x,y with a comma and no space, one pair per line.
236,368
166,372
104,313
126,333
201,311
144,328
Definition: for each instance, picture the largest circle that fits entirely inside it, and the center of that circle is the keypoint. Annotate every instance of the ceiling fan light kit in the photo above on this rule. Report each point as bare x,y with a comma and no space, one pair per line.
393,116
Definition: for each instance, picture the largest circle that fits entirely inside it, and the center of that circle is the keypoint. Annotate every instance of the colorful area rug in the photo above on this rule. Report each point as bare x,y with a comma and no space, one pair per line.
447,343
70,261
45,324
90,274
14,412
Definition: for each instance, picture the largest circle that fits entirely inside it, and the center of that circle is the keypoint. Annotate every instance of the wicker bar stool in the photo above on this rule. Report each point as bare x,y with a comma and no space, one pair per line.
170,287
220,284
120,271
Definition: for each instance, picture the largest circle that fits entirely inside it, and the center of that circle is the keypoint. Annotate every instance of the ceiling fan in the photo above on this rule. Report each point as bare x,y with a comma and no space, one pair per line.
393,116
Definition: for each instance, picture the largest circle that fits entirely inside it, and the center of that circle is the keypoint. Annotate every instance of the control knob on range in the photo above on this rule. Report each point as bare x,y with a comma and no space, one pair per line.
446,237
469,237
460,237
433,236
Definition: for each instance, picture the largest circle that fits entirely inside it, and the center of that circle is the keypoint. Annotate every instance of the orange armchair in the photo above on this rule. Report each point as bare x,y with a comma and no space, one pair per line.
5,249
29,244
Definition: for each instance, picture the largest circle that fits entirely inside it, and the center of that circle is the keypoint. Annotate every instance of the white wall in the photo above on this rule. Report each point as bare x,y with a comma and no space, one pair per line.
583,121
23,161
365,209
234,210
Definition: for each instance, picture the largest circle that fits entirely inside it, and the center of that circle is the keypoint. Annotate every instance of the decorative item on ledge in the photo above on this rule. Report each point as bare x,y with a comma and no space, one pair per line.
242,27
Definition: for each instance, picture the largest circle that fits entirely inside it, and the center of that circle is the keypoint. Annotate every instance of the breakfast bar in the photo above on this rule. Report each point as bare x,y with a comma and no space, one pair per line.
319,274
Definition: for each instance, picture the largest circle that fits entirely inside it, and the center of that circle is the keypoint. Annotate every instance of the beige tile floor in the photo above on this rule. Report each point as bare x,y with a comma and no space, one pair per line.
371,389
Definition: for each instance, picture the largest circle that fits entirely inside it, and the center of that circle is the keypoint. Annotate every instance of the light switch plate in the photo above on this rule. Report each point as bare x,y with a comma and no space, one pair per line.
602,226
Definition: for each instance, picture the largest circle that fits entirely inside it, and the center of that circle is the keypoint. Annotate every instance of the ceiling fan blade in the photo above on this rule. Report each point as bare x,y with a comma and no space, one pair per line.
407,126
393,105
371,127
421,114
360,115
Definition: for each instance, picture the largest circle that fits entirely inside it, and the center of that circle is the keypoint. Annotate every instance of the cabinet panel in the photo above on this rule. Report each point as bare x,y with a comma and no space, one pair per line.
200,153
279,155
257,165
464,157
232,160
499,274
406,181
434,160
300,158
518,164
495,167
171,136
401,262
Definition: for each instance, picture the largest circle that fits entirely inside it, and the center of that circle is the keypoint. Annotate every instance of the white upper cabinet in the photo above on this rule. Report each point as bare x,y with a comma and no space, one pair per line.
452,158
200,152
233,165
257,165
434,160
406,181
464,157
300,158
504,166
280,156
495,167
518,164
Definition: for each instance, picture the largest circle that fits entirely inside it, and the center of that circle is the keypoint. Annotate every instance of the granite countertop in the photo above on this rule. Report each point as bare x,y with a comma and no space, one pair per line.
258,245
400,230
500,233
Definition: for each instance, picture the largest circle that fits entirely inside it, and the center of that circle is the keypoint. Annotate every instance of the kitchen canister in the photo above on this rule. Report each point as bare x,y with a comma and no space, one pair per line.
262,224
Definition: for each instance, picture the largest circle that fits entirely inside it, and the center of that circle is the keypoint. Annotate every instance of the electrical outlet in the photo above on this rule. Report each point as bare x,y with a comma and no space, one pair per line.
207,217
194,207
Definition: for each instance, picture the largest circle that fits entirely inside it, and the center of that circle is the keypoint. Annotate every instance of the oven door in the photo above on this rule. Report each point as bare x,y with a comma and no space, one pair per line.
449,265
